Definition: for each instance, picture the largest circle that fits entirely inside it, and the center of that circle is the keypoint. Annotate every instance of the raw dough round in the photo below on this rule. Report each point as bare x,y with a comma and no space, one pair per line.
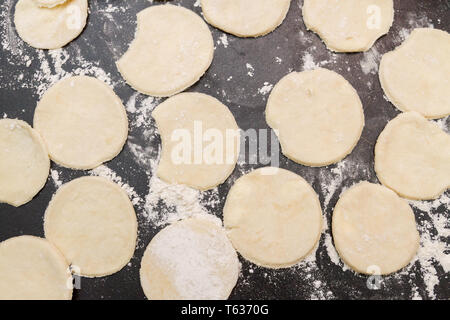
245,18
415,76
180,119
93,223
24,162
190,260
49,3
318,115
374,230
33,269
172,49
412,157
349,25
273,217
50,28
82,121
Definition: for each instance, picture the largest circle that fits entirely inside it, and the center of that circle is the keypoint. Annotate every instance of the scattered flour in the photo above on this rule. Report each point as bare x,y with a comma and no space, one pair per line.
369,62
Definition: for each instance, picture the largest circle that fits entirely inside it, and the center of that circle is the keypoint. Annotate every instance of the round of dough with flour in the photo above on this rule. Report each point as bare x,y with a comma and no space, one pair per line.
50,28
374,230
273,217
191,259
172,49
49,3
318,116
349,25
412,157
24,162
82,121
200,140
33,269
415,76
93,223
245,18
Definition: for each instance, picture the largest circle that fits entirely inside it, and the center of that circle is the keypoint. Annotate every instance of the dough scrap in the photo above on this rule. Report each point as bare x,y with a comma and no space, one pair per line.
33,269
93,223
82,121
49,3
273,218
172,49
415,76
191,259
374,230
24,162
412,157
184,113
50,28
349,25
318,115
245,18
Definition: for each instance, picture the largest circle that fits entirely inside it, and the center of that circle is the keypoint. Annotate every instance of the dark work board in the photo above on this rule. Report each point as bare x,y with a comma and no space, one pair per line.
111,27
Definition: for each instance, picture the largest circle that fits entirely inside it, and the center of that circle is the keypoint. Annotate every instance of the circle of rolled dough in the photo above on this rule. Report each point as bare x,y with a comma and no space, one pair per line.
49,3
93,223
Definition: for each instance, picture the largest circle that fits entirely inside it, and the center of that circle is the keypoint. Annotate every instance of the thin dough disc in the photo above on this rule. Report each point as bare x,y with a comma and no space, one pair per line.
273,218
93,223
180,120
415,76
49,3
245,18
349,25
50,28
24,162
190,260
374,230
412,157
172,49
82,121
33,269
318,115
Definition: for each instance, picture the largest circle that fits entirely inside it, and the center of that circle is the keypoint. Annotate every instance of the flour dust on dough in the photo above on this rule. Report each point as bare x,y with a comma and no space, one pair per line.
33,269
49,3
416,75
93,223
82,121
318,116
50,28
273,217
349,25
172,49
412,157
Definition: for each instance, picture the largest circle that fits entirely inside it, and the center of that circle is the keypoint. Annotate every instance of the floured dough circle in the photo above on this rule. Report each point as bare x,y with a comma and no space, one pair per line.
49,3
93,223
412,157
415,76
82,121
273,217
245,18
188,117
190,260
374,230
33,269
349,25
24,162
172,49
50,28
318,115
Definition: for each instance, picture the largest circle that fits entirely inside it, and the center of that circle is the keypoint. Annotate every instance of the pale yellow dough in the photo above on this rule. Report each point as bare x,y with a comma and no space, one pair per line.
82,121
374,230
24,162
49,3
50,28
416,75
172,49
273,217
93,223
33,269
318,115
349,25
412,157
245,18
